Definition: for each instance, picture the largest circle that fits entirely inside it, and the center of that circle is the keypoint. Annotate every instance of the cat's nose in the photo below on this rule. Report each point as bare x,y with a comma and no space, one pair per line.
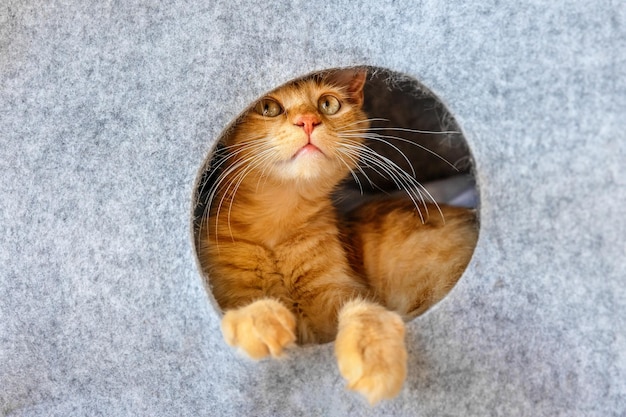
307,122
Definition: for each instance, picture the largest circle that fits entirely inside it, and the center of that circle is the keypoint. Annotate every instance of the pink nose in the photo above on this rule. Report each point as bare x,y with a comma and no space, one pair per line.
307,122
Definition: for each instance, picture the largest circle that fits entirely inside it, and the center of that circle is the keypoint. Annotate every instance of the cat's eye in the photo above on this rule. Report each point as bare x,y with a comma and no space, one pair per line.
268,107
328,104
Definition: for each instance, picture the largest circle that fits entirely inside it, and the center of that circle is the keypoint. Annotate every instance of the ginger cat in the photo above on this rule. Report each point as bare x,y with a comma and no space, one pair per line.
286,268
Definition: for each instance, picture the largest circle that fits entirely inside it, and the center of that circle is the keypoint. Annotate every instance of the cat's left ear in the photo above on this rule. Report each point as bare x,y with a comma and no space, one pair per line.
353,80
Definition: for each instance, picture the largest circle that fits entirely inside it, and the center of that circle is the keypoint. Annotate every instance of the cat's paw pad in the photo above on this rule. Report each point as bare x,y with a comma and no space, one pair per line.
264,327
370,350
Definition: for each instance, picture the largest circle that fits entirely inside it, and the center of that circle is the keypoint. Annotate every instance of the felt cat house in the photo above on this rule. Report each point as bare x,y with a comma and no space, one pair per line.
109,111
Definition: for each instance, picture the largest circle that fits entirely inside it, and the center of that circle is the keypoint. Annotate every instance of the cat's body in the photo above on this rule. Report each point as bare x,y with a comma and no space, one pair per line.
285,267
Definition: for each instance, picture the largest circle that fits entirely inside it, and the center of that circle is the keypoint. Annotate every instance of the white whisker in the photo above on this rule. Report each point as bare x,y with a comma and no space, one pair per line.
369,136
425,132
233,175
402,180
381,138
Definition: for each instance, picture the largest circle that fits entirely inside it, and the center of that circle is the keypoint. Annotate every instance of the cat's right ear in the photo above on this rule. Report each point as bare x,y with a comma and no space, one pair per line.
353,80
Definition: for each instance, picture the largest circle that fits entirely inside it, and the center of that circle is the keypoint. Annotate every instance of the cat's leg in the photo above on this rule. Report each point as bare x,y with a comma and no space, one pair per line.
264,327
370,350
412,264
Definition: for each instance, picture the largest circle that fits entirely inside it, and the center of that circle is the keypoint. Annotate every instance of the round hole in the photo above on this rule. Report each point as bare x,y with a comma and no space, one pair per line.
298,175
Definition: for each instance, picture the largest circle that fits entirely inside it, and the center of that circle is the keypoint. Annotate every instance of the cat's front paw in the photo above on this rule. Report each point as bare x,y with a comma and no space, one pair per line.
370,350
261,328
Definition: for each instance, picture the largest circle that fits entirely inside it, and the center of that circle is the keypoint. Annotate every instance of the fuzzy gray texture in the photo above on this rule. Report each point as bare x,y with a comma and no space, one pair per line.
108,110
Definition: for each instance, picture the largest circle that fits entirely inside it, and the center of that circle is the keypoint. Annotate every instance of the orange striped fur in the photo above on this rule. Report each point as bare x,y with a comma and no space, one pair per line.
285,268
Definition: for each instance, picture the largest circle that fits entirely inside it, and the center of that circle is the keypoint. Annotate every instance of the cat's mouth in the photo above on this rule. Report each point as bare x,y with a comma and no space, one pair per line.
308,150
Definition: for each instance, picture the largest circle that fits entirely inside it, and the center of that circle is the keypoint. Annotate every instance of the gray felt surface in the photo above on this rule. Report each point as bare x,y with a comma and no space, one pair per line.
108,110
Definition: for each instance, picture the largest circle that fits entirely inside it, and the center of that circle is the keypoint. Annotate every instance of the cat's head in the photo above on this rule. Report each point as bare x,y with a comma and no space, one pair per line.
306,131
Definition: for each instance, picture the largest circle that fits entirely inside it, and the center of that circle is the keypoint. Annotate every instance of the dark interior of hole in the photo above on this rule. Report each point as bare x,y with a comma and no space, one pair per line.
407,104
439,157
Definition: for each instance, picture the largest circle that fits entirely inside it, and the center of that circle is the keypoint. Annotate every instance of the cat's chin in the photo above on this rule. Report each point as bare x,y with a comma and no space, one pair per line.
308,151
309,165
